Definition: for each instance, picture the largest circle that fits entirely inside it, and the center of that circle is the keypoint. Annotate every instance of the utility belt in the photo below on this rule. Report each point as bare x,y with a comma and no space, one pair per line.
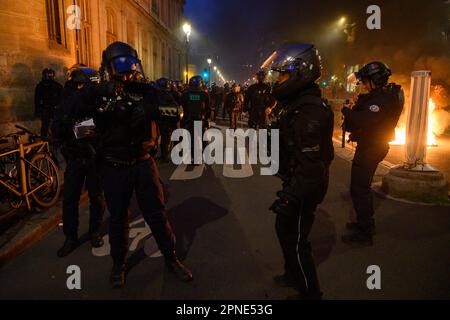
292,154
119,163
171,112
86,152
381,138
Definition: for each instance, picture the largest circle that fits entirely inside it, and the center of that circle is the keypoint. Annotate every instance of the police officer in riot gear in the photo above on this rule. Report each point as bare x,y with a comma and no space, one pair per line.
127,106
171,113
196,101
372,123
258,99
196,106
226,92
306,152
175,92
47,98
78,148
215,100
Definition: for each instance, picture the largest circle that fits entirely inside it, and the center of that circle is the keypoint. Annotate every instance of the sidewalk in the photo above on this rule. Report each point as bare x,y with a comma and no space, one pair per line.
29,228
438,157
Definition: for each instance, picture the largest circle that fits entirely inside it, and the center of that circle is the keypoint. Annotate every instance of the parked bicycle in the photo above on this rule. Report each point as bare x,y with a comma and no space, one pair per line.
28,173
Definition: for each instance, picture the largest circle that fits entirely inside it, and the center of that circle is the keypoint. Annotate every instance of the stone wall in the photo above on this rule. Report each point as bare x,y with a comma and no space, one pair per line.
26,48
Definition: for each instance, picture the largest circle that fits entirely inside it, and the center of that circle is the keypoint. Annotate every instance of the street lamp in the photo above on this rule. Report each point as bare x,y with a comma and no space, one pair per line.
348,28
210,75
342,21
187,29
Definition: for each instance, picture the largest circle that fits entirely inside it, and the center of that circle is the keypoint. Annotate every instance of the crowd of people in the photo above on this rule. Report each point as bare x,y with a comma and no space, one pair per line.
109,124
180,104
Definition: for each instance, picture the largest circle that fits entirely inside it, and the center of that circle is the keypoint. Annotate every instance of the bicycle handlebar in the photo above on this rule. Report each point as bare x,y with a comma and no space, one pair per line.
24,130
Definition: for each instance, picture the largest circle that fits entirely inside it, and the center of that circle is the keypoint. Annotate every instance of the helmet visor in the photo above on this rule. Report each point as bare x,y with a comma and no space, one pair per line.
354,79
279,62
92,74
286,58
125,65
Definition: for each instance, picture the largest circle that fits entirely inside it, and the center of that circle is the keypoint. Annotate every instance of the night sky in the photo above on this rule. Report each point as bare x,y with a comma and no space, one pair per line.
234,31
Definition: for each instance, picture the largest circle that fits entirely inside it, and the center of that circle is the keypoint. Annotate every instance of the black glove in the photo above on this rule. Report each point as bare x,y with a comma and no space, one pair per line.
346,111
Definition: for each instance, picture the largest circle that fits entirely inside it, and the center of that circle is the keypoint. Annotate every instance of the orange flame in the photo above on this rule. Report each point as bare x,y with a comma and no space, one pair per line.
400,131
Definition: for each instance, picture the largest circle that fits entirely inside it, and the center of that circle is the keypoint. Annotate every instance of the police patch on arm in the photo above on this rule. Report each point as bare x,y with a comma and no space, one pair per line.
374,108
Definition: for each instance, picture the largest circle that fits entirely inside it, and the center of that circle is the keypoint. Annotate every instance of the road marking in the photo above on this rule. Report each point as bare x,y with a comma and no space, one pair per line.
137,234
245,170
181,172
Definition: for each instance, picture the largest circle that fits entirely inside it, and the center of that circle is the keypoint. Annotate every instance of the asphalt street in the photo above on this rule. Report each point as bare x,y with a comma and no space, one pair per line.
225,234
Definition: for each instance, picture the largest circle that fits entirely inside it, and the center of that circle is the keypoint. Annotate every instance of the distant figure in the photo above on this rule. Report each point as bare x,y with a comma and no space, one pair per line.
215,99
258,98
234,103
226,91
47,97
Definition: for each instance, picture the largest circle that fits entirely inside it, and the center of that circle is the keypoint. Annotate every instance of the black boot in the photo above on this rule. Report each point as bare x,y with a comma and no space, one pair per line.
96,240
306,296
359,236
284,281
117,278
70,244
175,266
352,226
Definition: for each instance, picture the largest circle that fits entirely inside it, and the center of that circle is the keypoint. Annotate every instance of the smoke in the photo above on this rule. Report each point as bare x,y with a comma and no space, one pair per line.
442,122
440,77
419,55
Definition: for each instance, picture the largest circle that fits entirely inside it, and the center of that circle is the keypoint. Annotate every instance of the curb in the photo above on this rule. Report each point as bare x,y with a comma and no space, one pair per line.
21,243
348,152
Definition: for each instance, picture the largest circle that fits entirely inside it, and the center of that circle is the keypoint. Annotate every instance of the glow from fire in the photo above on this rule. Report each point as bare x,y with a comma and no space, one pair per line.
400,131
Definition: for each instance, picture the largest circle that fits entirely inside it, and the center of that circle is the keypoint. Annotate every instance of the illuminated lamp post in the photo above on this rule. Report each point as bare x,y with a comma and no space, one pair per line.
416,180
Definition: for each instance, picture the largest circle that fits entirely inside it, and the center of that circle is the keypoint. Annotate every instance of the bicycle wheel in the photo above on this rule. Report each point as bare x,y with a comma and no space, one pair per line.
47,196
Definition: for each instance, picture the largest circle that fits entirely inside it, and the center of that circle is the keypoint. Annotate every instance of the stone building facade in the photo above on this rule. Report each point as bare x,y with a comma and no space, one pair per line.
37,34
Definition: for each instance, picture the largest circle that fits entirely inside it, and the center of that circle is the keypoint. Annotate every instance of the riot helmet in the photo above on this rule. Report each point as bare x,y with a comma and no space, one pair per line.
261,76
48,74
164,84
196,82
377,72
122,62
80,73
300,62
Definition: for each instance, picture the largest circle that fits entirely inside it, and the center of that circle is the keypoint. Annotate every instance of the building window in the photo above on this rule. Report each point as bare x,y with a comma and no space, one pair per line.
54,20
84,35
145,56
171,24
131,34
163,59
111,26
171,63
180,66
155,7
155,58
